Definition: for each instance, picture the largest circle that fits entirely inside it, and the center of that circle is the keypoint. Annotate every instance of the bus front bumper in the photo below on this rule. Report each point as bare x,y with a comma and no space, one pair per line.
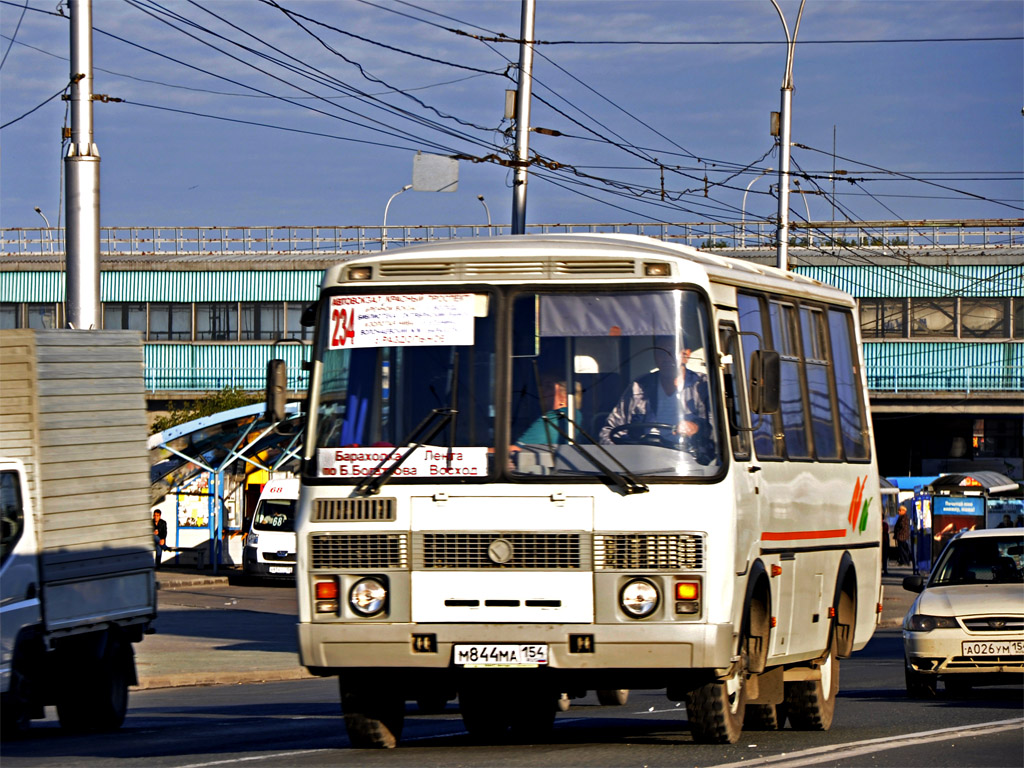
626,646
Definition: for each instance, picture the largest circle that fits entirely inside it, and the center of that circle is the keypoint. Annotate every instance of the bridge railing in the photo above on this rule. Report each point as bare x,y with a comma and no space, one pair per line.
1007,378
149,241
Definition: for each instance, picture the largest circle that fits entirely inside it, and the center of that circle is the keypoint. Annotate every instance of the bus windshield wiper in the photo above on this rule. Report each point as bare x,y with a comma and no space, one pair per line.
625,480
421,435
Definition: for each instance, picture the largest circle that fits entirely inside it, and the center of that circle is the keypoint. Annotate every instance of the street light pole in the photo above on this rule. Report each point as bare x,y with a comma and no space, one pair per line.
384,226
484,204
743,207
785,119
523,90
49,234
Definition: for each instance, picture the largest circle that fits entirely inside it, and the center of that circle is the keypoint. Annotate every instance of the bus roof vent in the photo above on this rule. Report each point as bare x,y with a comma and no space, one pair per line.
416,269
505,268
580,267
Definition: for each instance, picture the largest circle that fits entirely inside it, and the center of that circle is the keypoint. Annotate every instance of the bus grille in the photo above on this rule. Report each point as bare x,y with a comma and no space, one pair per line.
994,624
359,550
648,551
495,550
354,510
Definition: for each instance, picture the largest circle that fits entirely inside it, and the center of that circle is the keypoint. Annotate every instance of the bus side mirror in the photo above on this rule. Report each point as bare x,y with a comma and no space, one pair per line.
277,389
308,317
764,381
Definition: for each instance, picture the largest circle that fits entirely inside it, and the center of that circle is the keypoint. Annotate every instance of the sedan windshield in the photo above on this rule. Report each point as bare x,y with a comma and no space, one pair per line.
980,560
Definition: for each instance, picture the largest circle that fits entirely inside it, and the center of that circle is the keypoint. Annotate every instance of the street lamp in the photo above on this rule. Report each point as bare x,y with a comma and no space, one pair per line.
785,125
484,204
384,227
49,234
807,208
743,207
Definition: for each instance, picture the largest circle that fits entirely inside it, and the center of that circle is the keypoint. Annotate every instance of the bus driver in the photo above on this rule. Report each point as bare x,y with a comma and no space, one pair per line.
668,406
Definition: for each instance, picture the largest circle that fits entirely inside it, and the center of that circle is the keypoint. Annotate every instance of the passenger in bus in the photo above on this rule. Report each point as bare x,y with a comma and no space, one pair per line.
672,397
541,431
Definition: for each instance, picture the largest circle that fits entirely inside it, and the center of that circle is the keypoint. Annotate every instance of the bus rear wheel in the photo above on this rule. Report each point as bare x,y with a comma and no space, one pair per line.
373,718
811,704
715,710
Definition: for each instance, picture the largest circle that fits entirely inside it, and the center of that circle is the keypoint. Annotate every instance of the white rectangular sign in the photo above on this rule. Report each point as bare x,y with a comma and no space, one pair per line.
417,319
425,461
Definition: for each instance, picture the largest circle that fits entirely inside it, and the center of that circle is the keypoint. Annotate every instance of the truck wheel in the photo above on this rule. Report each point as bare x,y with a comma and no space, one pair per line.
811,704
14,708
613,698
715,710
373,718
98,699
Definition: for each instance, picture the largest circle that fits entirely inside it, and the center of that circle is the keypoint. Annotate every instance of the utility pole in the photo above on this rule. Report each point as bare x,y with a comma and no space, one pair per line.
525,85
785,120
82,182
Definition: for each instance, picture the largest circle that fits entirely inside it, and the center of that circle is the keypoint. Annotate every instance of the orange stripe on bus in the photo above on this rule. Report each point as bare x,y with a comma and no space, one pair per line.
838,533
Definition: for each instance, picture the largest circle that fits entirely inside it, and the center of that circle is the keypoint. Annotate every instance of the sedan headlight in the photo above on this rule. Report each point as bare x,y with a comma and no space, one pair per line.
368,596
639,598
920,622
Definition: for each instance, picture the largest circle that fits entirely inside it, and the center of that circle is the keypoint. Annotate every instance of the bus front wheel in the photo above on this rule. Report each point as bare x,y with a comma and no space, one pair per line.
373,718
715,710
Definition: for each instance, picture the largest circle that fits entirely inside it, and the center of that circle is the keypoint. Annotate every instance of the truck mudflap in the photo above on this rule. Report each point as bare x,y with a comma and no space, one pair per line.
675,646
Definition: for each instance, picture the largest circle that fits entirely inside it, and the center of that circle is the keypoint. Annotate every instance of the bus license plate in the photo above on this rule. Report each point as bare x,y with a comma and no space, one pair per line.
993,647
280,569
530,655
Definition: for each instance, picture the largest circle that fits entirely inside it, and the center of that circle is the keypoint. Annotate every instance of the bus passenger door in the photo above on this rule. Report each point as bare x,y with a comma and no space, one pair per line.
746,470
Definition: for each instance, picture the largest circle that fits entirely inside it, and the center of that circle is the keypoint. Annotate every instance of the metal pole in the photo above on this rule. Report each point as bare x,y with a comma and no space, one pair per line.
49,234
743,208
384,227
525,85
785,120
82,181
484,204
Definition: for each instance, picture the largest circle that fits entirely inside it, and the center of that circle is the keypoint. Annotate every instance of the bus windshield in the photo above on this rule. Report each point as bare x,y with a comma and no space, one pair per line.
612,376
274,515
602,383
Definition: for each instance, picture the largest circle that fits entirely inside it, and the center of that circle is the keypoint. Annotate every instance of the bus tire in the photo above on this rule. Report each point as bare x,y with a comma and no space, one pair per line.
373,718
613,698
716,710
764,717
811,704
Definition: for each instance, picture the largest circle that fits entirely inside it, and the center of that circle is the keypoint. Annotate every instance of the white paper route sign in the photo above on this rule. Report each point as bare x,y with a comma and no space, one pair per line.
420,319
425,461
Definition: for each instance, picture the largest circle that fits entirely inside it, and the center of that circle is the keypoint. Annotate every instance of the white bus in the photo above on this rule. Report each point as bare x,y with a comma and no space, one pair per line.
553,464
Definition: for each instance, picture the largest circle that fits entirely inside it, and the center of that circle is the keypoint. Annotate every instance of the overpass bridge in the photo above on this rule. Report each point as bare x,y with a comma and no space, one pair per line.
941,302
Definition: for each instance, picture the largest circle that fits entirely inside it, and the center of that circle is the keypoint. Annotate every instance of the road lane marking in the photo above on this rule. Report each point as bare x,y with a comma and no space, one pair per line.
834,752
253,758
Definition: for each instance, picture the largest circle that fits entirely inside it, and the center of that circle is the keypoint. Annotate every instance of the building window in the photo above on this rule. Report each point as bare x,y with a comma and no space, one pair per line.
984,318
42,316
10,316
124,316
295,329
882,318
1018,318
170,321
933,317
262,320
216,321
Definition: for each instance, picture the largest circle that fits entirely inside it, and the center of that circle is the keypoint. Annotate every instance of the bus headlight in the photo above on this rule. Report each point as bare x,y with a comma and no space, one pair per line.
639,598
368,596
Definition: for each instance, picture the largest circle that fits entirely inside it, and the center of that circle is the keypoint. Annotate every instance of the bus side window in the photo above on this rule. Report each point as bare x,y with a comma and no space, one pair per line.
852,421
754,328
792,390
820,391
735,393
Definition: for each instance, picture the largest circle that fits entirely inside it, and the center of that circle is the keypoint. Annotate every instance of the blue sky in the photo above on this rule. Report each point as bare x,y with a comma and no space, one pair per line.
924,129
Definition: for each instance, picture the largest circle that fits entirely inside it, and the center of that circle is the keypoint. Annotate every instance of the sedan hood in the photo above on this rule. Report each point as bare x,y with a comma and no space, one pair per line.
971,600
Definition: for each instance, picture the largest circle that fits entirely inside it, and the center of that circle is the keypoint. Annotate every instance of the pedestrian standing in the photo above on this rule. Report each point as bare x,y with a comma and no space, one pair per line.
159,536
901,532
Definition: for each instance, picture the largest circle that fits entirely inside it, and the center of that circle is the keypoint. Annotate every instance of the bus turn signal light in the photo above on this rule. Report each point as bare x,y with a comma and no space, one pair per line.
687,590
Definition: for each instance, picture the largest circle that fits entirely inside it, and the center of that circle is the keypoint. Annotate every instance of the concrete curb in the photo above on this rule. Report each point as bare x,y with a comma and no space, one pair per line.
184,679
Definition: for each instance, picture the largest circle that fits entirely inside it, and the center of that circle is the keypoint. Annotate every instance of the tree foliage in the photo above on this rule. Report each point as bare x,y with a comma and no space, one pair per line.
225,400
